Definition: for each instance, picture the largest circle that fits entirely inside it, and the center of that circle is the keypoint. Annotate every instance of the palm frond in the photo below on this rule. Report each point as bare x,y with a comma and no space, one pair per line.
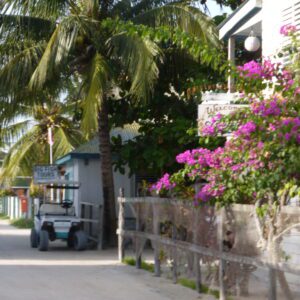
94,87
16,73
138,55
48,9
22,155
189,19
65,139
58,48
21,26
14,131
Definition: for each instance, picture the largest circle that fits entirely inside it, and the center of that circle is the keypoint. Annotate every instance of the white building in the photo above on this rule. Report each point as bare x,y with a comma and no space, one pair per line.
264,19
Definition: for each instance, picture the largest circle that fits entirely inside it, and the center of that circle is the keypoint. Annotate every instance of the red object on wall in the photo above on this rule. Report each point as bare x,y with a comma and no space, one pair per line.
24,206
23,199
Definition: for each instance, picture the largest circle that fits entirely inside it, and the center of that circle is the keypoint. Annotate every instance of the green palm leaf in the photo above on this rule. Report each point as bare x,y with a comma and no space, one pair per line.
58,49
15,131
138,55
65,138
22,155
94,87
48,9
17,71
25,25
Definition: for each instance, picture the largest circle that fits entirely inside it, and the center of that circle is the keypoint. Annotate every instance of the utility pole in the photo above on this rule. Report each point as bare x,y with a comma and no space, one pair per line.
50,142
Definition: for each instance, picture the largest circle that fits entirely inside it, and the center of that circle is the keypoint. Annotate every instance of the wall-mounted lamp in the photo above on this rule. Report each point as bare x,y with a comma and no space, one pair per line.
252,43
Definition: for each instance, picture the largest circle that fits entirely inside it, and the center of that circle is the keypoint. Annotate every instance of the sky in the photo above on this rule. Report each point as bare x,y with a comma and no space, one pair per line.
215,9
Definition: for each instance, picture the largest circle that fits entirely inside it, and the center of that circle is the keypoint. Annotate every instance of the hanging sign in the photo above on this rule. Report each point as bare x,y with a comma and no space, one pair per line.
45,173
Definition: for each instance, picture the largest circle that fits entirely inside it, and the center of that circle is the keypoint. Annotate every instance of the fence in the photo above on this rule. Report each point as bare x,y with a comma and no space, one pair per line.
216,249
11,207
91,216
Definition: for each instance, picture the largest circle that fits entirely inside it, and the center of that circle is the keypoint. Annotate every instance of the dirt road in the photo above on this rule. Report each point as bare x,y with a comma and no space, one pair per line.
63,274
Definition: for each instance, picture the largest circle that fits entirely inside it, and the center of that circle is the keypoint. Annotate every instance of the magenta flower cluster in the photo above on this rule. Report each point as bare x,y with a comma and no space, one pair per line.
163,183
268,107
245,129
289,128
215,127
288,29
192,157
266,73
252,69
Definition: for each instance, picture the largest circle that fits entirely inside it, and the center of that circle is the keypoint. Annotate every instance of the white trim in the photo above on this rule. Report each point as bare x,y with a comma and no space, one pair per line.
237,16
253,24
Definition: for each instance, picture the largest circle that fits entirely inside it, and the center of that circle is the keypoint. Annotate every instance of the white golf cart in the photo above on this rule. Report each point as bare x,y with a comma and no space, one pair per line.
57,220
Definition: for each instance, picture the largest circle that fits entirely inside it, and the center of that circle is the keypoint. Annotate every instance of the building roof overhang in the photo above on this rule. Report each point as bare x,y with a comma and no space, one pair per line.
245,18
70,156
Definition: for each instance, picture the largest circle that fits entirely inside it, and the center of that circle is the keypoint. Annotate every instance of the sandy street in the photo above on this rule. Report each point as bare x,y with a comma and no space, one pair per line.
62,274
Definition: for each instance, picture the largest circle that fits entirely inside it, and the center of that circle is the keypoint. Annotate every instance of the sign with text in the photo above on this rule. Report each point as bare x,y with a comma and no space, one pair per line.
45,173
208,110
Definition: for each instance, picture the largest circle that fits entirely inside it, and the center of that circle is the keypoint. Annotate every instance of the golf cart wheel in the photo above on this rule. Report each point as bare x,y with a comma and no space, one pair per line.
44,240
70,241
34,239
80,240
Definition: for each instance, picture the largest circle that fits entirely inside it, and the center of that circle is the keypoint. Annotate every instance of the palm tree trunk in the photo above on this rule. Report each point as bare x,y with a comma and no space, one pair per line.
109,215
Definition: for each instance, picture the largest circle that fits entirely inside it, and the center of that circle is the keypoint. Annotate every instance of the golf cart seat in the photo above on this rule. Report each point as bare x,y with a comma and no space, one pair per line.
48,209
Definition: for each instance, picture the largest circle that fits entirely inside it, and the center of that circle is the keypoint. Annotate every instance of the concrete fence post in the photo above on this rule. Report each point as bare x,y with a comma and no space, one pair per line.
11,214
8,207
174,252
156,231
138,256
121,225
196,256
222,262
29,208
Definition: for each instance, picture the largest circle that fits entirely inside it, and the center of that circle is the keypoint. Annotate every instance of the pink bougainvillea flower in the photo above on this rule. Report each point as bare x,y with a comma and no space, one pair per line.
163,183
288,29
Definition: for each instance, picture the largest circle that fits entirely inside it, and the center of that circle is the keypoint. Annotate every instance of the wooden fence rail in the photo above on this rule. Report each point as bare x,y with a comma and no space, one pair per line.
191,247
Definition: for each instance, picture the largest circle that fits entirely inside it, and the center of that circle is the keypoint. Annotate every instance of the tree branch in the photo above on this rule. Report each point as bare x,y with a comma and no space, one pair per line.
262,241
285,231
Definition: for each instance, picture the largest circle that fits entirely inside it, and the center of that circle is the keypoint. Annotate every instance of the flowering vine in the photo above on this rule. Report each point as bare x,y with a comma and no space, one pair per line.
262,156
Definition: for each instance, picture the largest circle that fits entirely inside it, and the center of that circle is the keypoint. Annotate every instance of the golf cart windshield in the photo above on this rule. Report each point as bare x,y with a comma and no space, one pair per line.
56,209
59,191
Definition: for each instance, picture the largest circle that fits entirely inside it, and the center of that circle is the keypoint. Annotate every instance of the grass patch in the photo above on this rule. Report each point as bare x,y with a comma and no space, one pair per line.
191,284
4,217
188,283
22,223
145,266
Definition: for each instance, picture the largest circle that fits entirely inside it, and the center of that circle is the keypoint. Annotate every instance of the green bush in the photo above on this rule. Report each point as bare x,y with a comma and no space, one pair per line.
4,217
22,223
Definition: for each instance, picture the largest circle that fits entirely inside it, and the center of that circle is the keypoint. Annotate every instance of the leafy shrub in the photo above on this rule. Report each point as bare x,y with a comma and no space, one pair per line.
22,223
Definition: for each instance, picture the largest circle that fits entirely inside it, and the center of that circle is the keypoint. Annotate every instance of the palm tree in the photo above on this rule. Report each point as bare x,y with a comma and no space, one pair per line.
102,46
26,132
